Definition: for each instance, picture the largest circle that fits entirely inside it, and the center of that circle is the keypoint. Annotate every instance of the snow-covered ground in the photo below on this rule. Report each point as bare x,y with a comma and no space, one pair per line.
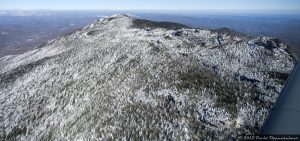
115,79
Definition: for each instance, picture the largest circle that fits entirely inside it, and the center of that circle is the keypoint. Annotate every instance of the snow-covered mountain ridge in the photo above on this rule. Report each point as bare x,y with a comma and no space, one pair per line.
125,78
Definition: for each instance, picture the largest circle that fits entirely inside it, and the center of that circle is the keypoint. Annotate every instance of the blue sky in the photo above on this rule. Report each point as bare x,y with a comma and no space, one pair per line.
151,4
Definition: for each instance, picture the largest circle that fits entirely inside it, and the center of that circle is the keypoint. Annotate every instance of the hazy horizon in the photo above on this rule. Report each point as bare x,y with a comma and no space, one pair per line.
163,11
152,5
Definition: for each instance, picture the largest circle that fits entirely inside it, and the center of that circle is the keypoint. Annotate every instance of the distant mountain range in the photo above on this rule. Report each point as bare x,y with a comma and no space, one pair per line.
134,79
23,30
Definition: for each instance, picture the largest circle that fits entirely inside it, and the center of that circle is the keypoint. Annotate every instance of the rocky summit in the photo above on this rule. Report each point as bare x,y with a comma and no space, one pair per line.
122,78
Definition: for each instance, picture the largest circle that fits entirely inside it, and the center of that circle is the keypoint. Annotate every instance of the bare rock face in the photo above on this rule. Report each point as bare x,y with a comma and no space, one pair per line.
125,78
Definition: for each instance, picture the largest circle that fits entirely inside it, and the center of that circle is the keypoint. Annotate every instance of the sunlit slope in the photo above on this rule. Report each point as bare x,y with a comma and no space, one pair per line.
122,78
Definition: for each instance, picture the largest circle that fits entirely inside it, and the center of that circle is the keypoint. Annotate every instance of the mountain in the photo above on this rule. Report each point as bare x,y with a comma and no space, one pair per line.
126,78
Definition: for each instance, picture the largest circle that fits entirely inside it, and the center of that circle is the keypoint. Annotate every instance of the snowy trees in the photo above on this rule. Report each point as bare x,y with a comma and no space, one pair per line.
113,80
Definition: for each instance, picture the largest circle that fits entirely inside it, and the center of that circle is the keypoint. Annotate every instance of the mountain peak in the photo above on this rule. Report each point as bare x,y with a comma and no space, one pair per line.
122,77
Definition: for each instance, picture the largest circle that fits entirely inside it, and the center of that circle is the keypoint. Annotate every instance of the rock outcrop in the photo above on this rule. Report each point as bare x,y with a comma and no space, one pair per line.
126,78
